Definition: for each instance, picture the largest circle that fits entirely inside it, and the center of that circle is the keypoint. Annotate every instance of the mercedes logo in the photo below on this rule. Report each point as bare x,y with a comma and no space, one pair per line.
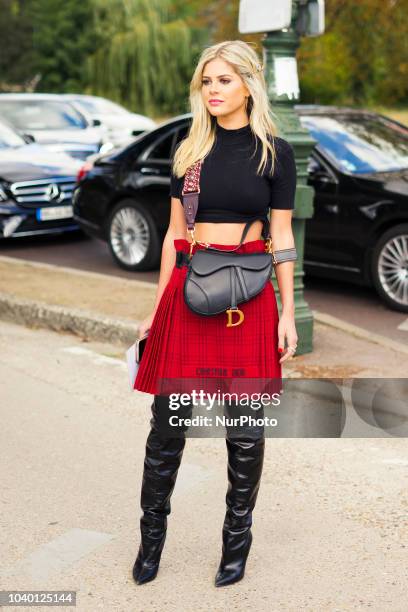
53,193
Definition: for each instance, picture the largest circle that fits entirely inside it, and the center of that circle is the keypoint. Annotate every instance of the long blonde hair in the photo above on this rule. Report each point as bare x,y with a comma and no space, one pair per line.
201,136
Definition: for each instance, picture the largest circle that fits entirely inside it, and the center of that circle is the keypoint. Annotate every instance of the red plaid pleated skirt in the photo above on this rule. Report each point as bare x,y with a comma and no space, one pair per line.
185,350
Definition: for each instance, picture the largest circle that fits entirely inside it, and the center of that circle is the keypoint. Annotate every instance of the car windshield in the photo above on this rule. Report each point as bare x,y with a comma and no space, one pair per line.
9,138
100,106
41,115
361,144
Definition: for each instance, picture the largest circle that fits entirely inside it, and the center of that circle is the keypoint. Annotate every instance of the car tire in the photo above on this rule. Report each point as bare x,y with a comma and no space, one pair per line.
133,237
389,267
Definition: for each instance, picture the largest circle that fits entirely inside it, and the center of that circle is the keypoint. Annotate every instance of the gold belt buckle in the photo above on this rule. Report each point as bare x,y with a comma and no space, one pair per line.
229,312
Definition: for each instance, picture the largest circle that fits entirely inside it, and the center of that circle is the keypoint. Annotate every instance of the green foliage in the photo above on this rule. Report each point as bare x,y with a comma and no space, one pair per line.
16,49
63,36
362,58
325,69
142,54
146,58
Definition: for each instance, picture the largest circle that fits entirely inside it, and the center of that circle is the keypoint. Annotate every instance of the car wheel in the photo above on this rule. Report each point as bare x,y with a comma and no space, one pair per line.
390,267
133,237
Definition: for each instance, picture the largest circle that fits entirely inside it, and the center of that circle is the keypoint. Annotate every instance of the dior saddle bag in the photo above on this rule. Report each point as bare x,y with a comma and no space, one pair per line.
219,280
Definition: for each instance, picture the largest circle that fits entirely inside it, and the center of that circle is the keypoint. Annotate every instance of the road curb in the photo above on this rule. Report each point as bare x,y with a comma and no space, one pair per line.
39,265
95,326
359,332
83,323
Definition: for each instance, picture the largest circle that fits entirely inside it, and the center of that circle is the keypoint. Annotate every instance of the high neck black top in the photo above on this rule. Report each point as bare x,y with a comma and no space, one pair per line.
231,190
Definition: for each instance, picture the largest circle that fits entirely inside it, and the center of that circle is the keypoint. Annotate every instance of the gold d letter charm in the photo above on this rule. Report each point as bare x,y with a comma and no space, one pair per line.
229,315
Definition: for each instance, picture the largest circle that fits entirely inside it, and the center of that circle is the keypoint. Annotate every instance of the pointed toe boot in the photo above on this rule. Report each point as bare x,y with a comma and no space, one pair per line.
162,460
245,463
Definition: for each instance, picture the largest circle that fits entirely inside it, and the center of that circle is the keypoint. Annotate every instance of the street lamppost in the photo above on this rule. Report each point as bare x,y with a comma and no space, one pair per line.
286,20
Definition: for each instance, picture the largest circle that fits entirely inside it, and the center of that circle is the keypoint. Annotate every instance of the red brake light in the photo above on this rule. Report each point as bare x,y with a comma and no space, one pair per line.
83,171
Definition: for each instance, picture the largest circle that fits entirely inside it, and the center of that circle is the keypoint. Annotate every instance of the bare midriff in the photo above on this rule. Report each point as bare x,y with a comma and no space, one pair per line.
225,233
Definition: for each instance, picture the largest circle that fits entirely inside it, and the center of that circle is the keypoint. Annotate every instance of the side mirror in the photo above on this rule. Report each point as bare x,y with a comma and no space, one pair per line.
96,122
323,177
313,166
28,138
317,172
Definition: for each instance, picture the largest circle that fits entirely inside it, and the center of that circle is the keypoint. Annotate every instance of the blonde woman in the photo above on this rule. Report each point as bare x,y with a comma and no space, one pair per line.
247,169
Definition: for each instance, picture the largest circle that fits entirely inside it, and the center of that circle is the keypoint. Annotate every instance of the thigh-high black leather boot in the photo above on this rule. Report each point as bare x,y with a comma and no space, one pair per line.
163,456
245,463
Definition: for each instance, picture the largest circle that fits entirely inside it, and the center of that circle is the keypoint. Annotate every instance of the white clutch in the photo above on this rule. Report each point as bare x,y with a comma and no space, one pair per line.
133,357
132,364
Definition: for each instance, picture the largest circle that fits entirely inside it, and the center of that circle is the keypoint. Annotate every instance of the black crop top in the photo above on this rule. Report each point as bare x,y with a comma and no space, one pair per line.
230,189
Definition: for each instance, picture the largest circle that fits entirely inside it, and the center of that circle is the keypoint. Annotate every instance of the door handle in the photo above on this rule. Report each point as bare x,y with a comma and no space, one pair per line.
147,170
332,208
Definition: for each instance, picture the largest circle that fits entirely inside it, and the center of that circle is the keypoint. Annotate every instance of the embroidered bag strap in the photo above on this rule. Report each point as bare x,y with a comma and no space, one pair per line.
190,191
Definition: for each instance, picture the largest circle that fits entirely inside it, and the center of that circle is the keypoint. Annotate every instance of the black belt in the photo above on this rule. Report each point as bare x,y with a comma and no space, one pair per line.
182,259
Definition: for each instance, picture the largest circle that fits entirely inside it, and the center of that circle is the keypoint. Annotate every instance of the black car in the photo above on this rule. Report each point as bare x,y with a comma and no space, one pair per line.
36,187
359,171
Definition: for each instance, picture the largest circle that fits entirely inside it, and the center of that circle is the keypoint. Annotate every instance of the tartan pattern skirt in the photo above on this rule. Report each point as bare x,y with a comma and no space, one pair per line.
185,350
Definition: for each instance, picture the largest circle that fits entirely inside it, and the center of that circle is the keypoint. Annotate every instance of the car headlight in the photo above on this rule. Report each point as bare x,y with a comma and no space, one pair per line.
107,146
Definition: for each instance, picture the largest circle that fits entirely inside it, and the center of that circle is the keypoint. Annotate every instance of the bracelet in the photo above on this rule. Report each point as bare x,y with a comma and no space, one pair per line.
284,255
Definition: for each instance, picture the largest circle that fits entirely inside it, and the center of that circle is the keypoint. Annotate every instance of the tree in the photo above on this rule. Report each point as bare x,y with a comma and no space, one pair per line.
362,58
16,44
63,36
147,56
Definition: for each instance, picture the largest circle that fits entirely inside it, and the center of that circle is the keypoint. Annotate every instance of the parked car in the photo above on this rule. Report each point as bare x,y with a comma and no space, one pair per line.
359,228
35,188
122,196
53,122
121,125
358,168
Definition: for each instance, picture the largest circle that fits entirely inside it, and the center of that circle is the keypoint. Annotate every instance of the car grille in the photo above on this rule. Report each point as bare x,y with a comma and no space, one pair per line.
51,191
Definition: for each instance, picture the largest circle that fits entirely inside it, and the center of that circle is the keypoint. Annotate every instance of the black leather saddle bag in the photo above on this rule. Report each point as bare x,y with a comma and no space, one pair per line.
218,280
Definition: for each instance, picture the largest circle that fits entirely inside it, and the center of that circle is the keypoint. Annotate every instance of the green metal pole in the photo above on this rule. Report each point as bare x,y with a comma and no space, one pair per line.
279,50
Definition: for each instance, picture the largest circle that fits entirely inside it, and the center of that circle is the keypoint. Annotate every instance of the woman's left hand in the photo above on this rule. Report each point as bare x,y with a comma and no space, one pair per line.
287,329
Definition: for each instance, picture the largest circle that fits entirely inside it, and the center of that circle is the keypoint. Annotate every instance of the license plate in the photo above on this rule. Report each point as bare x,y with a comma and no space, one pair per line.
54,212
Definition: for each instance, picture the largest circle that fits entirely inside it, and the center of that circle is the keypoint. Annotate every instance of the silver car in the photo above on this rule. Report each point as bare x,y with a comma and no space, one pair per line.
120,124
53,122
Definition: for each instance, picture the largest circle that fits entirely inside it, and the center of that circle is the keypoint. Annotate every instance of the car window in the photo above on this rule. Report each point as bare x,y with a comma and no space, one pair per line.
360,144
163,148
9,138
41,115
101,106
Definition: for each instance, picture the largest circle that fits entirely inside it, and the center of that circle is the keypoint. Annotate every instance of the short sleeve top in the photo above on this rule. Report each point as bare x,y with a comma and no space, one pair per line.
230,188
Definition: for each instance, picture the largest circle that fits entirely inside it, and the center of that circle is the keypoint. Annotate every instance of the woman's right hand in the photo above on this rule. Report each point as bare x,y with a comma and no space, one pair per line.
146,324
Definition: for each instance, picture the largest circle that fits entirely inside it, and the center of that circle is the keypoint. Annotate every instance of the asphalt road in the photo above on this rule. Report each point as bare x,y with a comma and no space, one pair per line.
330,523
353,304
